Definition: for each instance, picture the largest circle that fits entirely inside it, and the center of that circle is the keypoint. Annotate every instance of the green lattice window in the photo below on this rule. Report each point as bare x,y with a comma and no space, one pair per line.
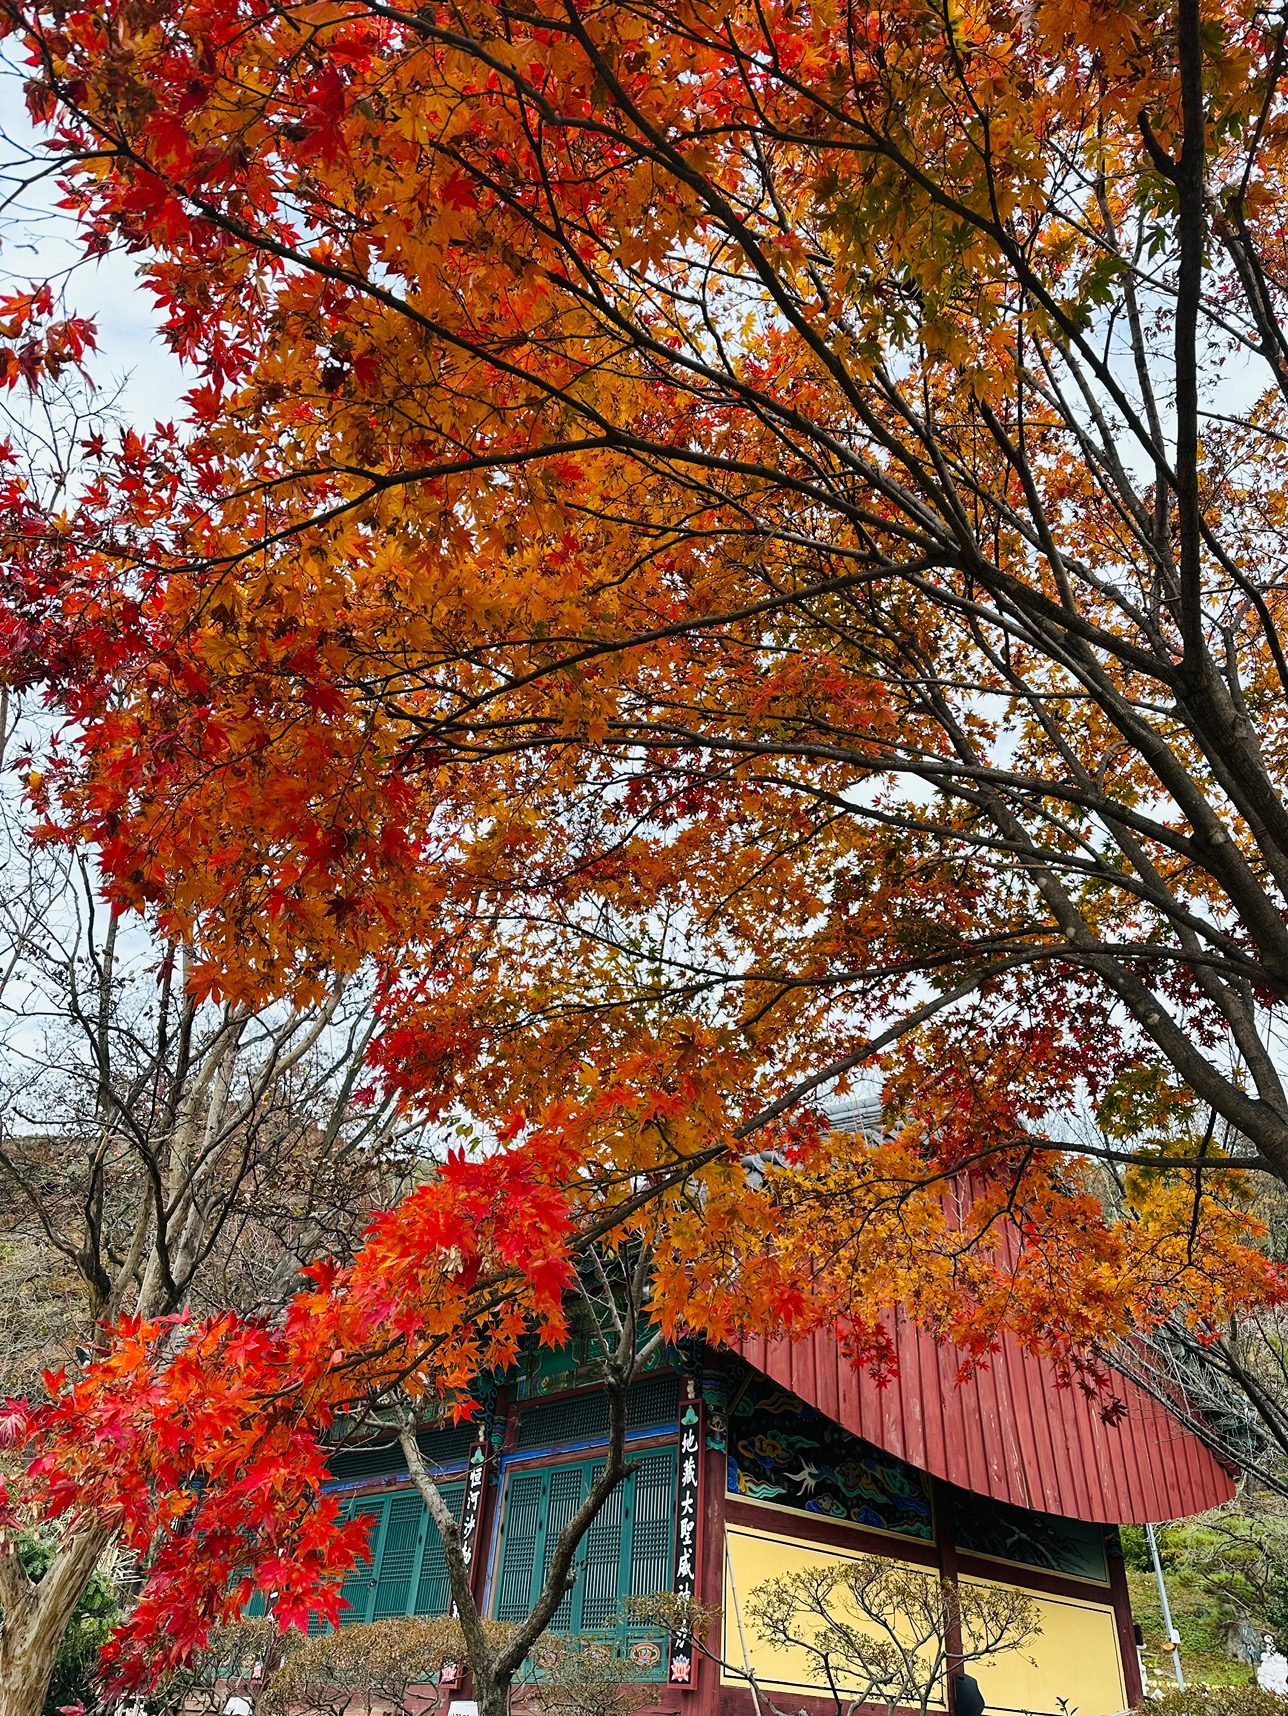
405,1572
442,1448
626,1552
651,1404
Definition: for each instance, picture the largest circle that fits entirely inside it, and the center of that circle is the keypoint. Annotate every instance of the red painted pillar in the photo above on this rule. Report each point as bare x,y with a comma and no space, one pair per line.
705,1699
946,1544
1121,1597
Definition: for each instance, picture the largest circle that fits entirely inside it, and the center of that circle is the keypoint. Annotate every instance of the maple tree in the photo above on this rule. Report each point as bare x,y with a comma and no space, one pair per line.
388,1663
722,548
157,1155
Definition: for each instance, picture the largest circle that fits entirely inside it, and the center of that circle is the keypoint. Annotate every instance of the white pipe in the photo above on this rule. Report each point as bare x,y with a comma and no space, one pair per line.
1173,1636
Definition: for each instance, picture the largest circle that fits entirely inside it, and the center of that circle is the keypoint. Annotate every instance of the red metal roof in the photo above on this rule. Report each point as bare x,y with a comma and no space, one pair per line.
1010,1431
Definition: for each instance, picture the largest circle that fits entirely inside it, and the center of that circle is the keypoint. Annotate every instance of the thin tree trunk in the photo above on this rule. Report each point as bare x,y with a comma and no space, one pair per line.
493,1667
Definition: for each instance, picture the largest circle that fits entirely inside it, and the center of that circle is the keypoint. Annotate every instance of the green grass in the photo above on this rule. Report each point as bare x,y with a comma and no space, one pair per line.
1200,1626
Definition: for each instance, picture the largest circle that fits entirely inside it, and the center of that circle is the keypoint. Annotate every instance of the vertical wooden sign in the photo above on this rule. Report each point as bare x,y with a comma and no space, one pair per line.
682,1666
471,1512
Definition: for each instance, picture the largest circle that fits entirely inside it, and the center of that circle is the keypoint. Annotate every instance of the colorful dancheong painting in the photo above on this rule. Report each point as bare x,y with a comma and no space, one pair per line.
787,1453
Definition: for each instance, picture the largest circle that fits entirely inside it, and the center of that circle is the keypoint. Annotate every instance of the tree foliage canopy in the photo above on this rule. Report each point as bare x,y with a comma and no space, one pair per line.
721,547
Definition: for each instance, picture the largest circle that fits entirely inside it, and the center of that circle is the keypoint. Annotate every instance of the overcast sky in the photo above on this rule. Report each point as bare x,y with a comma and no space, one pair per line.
38,242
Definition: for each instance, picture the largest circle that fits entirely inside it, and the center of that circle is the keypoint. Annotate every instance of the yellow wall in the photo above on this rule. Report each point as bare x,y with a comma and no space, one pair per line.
752,1557
1075,1657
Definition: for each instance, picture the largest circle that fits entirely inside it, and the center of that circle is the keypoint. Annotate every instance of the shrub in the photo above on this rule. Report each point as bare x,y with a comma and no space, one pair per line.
230,1658
1218,1701
575,1676
385,1664
1135,1548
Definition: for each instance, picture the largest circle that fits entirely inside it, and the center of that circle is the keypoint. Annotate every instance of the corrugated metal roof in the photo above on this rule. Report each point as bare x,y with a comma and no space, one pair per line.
1009,1430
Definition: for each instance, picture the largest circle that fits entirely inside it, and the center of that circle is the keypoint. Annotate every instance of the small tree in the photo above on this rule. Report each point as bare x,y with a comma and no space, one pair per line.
881,1633
1236,1557
87,1631
392,1666
580,1676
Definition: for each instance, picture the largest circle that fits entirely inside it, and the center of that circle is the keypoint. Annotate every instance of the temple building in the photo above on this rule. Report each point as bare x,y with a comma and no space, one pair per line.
752,1463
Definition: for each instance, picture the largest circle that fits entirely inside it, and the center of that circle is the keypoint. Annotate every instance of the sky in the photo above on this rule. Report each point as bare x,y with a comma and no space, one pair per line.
134,368
38,242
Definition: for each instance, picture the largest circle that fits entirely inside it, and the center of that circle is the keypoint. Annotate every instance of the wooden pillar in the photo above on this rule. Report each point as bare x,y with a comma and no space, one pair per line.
946,1544
1122,1615
705,1698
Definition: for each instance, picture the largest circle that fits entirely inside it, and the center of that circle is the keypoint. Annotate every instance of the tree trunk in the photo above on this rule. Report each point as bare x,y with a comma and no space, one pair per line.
36,1619
492,1697
27,1665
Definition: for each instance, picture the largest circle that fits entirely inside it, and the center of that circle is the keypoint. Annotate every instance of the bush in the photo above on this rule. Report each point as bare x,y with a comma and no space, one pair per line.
376,1663
1218,1701
1239,1556
1135,1549
230,1658
574,1676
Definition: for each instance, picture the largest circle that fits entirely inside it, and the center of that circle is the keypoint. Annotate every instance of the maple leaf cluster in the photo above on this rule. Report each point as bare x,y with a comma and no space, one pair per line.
203,1445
